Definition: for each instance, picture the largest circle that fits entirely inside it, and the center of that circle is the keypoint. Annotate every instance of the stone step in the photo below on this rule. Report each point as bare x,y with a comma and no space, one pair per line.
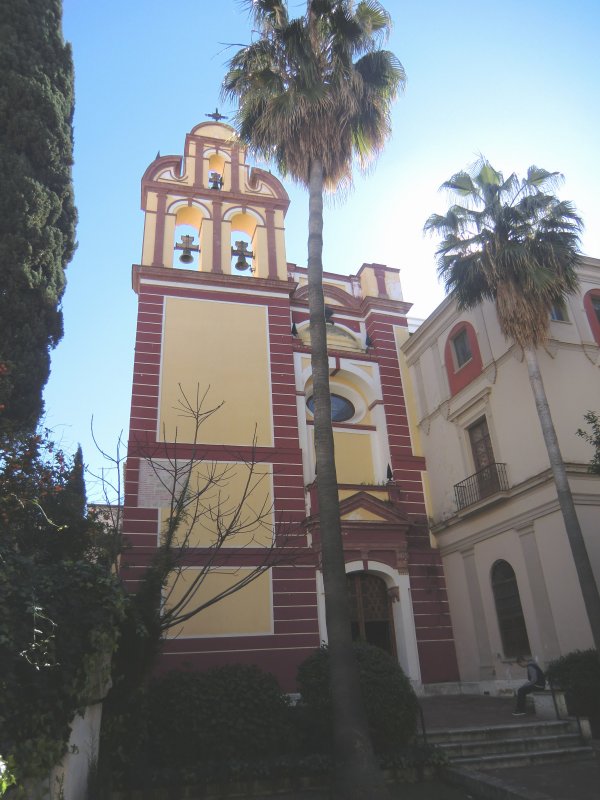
515,731
522,759
486,747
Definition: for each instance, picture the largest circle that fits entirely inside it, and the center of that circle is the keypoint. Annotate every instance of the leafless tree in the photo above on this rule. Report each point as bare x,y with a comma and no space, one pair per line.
241,533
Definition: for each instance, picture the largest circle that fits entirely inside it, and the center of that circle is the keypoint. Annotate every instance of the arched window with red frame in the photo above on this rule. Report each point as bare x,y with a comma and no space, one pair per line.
462,356
591,303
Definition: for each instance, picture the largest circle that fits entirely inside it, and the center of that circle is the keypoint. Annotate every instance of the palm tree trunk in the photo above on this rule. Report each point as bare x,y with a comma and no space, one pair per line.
589,588
357,774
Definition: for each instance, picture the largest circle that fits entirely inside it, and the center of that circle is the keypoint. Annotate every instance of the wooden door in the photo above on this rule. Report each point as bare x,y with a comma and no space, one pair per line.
371,611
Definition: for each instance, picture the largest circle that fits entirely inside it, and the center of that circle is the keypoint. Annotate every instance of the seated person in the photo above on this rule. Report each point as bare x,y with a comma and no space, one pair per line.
535,680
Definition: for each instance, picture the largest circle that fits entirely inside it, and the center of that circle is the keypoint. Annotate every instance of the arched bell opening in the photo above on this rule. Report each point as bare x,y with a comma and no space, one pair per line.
244,244
186,248
216,177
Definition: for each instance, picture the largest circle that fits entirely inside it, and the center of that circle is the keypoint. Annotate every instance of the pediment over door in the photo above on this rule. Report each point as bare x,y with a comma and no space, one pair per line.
363,507
372,530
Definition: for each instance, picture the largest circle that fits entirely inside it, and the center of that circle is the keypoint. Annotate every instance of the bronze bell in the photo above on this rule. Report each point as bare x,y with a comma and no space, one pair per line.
241,251
187,245
216,181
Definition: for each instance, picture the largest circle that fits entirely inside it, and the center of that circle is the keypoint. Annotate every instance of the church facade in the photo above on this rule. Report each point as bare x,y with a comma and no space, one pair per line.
222,395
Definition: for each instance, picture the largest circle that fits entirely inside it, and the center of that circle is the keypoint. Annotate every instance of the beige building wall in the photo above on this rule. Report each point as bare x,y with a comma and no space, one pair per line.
522,523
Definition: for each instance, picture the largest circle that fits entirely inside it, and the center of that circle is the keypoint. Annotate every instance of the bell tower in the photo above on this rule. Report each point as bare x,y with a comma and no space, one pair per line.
212,195
214,322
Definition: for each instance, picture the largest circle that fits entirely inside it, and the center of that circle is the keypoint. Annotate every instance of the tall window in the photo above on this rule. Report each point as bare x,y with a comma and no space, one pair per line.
591,303
483,458
462,348
558,312
511,622
481,444
462,356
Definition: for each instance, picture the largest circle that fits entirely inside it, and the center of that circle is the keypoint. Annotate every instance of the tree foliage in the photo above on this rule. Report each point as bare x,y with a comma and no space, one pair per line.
212,521
390,700
37,213
314,96
317,87
592,438
511,241
59,605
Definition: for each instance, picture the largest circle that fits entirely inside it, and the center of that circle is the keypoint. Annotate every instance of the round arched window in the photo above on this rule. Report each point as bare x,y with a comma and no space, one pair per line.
341,408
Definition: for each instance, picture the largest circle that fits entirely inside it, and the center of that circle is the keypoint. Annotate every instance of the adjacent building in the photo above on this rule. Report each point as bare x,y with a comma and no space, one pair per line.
511,579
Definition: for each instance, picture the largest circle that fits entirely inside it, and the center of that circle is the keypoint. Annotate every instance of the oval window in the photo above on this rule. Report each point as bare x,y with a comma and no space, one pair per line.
341,408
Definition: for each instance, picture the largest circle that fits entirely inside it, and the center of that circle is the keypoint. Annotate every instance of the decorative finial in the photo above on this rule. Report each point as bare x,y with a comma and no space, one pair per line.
216,116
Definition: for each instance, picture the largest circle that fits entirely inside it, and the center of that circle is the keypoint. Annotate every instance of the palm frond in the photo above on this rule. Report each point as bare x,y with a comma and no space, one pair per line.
541,179
461,183
267,13
304,93
515,243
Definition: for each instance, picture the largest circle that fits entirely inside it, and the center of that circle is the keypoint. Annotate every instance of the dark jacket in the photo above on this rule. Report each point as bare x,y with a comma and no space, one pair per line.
535,675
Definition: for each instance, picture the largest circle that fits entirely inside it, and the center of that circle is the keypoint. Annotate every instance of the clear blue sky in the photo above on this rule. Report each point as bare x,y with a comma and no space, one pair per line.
517,81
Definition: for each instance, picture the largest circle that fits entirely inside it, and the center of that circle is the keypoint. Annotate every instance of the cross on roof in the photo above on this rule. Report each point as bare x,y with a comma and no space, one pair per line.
216,116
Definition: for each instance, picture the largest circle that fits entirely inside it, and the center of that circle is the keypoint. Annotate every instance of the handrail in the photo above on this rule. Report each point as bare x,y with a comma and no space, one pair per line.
423,728
487,481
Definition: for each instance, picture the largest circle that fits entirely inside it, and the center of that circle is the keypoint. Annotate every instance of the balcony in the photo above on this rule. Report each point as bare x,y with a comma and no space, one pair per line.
482,484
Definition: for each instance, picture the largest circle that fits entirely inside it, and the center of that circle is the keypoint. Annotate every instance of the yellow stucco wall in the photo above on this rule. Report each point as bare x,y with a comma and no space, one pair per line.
381,494
206,342
169,240
233,502
149,237
206,245
368,283
248,611
362,514
353,457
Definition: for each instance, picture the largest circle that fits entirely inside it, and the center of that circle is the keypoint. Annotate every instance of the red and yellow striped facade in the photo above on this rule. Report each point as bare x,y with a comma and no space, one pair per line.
244,340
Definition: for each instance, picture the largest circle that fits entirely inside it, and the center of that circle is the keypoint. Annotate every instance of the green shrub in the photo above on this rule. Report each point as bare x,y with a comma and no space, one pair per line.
578,674
123,739
390,701
227,713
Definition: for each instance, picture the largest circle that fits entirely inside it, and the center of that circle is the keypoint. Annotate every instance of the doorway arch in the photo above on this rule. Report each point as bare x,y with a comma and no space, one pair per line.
397,586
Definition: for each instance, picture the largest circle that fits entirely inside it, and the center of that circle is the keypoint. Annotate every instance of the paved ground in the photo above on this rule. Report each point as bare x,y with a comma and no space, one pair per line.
430,790
567,780
467,711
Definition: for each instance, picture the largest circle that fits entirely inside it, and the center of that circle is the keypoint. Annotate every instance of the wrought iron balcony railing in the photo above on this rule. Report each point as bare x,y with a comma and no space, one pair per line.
487,481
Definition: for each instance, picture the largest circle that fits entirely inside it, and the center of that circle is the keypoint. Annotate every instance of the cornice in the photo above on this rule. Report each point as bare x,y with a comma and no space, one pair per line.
515,521
187,277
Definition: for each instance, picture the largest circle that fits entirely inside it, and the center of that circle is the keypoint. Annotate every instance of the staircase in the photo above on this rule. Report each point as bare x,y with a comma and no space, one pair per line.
513,745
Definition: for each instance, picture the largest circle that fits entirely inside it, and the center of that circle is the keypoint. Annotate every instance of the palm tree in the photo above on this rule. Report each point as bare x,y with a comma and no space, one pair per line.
515,243
314,96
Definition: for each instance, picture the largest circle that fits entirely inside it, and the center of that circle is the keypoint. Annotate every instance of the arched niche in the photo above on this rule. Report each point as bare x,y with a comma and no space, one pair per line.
188,219
247,226
217,163
509,612
339,337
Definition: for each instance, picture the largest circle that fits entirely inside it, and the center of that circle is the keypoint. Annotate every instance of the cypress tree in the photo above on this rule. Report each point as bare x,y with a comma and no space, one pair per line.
37,212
